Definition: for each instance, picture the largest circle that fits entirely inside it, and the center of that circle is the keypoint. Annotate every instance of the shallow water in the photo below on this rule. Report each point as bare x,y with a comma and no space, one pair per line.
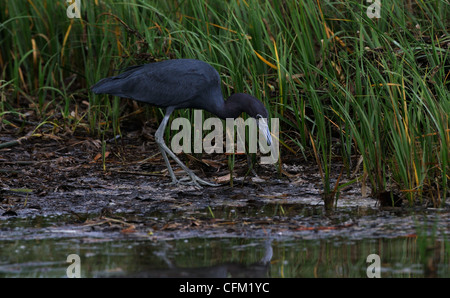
255,240
226,257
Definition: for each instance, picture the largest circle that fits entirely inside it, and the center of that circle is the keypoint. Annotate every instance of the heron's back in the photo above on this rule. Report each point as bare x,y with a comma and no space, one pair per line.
180,83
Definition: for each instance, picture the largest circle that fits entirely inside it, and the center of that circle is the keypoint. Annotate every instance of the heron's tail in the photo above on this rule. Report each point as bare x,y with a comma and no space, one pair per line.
103,86
115,85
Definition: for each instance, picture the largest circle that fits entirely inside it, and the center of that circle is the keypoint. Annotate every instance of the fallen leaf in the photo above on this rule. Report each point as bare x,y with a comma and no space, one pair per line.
223,179
99,155
131,229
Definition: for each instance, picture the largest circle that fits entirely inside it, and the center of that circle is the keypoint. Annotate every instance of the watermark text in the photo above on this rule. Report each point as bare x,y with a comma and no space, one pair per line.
74,9
74,269
374,10
374,269
213,141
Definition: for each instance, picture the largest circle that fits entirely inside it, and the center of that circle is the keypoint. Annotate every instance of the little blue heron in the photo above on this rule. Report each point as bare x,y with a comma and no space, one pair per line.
180,84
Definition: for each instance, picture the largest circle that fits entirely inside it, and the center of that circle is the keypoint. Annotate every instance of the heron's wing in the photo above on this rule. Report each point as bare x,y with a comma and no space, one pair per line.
164,85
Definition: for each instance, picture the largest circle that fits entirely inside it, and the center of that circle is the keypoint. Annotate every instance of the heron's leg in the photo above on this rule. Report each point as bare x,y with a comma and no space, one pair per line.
166,160
159,136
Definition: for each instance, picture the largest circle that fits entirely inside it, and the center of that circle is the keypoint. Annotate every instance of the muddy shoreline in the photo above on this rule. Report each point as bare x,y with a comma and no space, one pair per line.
64,177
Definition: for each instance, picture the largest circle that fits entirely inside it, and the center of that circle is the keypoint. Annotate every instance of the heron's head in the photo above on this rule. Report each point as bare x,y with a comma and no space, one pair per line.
256,109
263,125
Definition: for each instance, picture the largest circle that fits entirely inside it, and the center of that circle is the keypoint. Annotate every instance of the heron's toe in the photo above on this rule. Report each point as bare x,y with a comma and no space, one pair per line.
195,180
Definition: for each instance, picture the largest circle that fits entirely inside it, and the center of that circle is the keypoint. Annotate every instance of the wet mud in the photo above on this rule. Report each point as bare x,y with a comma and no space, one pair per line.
48,176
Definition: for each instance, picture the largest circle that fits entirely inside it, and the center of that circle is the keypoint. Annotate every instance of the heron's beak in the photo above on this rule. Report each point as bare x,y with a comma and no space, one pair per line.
264,127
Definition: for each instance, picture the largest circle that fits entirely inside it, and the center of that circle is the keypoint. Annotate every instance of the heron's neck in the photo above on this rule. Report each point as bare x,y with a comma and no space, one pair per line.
231,108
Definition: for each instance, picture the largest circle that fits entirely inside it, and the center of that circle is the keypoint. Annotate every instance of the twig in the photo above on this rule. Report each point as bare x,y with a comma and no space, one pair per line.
18,141
139,173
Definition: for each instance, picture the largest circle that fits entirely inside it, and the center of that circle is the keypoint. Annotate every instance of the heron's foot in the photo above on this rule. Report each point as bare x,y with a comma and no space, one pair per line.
192,180
195,180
